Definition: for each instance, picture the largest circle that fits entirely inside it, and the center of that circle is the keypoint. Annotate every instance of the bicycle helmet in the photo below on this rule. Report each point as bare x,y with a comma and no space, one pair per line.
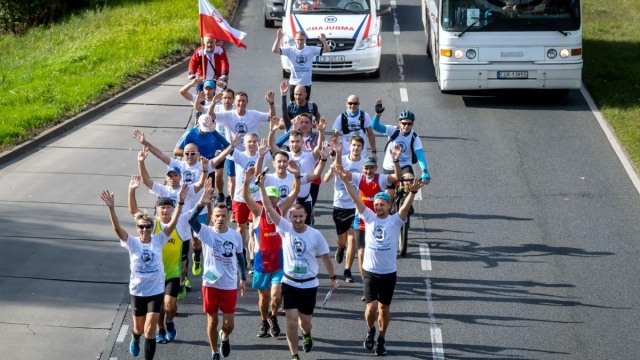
406,114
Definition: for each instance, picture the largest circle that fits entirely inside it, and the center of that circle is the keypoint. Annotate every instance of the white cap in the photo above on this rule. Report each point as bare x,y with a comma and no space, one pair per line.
201,123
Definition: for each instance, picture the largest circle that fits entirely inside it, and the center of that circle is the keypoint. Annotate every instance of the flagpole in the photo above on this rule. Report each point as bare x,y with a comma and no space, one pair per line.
204,69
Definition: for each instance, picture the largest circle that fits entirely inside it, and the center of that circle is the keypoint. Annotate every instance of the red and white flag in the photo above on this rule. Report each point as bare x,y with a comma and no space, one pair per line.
213,24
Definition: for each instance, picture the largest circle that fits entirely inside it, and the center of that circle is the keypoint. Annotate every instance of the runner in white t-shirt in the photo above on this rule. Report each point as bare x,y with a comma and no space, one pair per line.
354,121
382,231
146,284
301,244
223,261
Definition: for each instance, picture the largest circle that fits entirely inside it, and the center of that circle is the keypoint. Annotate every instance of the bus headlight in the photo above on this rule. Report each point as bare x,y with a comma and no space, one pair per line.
564,53
552,53
458,54
471,54
368,42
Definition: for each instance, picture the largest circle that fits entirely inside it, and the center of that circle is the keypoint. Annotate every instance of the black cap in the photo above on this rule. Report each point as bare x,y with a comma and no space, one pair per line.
163,201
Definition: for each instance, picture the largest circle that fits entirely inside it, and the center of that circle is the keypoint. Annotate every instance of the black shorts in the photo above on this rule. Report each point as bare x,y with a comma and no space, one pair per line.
302,299
314,190
141,305
359,235
407,169
185,250
343,218
172,287
379,287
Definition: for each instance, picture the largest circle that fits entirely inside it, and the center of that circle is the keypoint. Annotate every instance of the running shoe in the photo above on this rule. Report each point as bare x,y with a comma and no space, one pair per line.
295,357
225,346
182,293
347,276
264,329
275,328
134,347
307,342
215,356
220,199
187,283
196,268
369,342
380,350
172,332
227,200
161,336
340,255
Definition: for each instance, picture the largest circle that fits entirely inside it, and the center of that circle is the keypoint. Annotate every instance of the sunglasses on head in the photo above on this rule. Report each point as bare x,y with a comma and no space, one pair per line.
190,153
144,226
353,103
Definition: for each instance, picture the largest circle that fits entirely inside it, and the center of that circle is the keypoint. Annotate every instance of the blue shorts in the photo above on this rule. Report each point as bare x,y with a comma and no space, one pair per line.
230,167
264,281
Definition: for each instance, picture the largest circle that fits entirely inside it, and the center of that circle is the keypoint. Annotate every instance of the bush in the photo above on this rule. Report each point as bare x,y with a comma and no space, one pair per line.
18,16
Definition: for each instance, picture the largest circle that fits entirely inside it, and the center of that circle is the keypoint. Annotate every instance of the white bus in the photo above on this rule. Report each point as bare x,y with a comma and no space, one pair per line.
504,44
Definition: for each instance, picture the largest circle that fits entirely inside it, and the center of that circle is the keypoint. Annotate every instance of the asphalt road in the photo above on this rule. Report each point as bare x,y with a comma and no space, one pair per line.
524,246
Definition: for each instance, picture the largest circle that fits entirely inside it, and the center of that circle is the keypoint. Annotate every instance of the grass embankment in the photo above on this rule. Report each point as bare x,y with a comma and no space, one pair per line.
52,73
611,72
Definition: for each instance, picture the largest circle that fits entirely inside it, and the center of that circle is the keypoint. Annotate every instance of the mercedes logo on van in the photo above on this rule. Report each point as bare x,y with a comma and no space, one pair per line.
330,19
332,44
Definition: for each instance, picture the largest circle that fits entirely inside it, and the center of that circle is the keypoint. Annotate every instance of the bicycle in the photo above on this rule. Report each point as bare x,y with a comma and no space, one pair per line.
398,201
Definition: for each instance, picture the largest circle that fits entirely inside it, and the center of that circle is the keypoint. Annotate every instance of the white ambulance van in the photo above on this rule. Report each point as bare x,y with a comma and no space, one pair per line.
352,28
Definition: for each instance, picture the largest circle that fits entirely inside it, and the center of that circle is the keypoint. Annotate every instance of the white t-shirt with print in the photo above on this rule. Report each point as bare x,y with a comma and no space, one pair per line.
147,270
243,162
341,198
405,142
167,191
300,63
306,163
299,252
220,262
235,124
285,185
380,242
353,122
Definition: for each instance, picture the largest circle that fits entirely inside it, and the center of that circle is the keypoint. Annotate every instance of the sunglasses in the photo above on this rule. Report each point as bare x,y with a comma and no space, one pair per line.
353,103
406,123
190,153
145,226
408,179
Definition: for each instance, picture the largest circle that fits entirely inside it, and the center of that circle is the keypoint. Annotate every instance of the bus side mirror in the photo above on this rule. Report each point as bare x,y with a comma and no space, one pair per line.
384,10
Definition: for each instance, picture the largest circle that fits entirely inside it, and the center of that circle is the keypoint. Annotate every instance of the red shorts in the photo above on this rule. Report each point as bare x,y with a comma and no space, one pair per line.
240,212
216,299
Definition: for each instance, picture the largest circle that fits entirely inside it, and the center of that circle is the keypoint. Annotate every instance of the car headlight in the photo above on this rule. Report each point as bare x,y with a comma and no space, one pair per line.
552,53
368,42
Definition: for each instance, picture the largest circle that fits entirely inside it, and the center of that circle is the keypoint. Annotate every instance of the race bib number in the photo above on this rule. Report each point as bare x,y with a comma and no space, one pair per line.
298,268
211,276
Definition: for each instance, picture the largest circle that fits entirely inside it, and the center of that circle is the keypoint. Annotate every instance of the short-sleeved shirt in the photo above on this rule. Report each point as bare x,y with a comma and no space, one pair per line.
243,162
381,242
147,270
405,142
300,251
219,251
236,124
208,143
293,109
285,185
301,63
166,191
306,163
341,198
353,123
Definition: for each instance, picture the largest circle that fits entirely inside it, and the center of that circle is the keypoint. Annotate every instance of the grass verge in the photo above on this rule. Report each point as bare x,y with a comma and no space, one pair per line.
611,43
55,72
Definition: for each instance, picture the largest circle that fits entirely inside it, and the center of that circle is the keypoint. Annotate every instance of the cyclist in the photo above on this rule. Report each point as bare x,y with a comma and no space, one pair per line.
408,139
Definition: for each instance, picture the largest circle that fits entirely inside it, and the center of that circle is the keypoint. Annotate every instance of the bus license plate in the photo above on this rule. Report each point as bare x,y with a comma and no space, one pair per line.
330,58
513,74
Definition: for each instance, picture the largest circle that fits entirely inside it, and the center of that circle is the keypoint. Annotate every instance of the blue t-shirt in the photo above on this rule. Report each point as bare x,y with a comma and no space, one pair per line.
208,143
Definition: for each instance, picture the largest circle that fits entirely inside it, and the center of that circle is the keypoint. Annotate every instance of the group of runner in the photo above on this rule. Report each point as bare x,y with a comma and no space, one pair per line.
274,237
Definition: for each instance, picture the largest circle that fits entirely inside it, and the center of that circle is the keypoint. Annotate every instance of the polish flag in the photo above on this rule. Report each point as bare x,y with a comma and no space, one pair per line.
213,24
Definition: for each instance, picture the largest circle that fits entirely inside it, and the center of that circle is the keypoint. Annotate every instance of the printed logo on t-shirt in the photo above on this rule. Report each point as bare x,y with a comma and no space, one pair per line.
301,59
378,233
284,191
147,257
227,249
241,128
188,176
353,127
403,146
299,246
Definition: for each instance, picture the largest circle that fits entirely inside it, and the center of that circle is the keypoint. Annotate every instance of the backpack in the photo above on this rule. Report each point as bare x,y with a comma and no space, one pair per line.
414,158
345,123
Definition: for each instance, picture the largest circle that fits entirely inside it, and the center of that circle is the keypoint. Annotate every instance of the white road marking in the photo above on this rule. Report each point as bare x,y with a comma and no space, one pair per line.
404,97
612,139
393,4
123,332
396,29
436,334
425,257
399,60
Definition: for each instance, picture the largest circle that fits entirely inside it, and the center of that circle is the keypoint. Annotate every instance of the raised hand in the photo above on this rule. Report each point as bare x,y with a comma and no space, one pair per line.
236,140
416,185
263,148
322,125
284,87
207,194
135,182
139,135
326,150
293,168
336,145
274,123
269,97
184,189
395,152
250,173
204,162
339,170
209,123
217,98
108,198
142,155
